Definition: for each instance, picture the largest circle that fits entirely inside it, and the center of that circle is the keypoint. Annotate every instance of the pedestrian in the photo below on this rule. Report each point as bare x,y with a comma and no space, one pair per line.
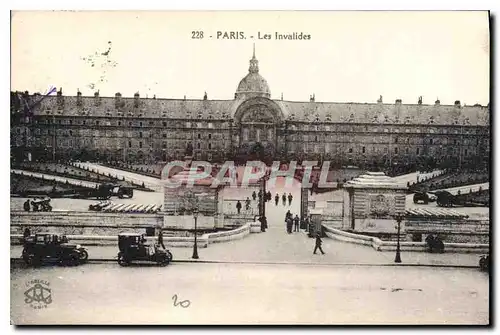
283,197
160,238
288,215
277,199
247,204
260,195
238,206
290,197
26,233
254,195
296,221
289,225
26,205
318,244
263,223
269,196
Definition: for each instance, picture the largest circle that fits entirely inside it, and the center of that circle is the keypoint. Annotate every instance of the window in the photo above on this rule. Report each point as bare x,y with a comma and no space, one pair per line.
140,124
70,121
465,152
395,150
209,136
97,123
431,141
199,136
150,123
210,125
164,135
164,145
363,150
209,146
350,150
140,134
140,144
198,145
119,123
316,138
71,132
130,144
418,151
130,124
455,141
396,140
164,124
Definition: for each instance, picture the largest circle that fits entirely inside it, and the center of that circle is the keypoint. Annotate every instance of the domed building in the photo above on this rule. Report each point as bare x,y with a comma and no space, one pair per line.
253,84
145,130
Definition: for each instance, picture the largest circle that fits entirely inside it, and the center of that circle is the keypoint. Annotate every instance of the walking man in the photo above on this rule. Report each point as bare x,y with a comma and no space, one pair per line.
277,199
296,221
160,238
254,195
27,205
289,224
247,204
290,197
318,244
283,197
238,206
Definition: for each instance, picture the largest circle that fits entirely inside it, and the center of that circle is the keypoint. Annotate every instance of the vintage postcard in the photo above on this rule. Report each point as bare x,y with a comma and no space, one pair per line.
250,168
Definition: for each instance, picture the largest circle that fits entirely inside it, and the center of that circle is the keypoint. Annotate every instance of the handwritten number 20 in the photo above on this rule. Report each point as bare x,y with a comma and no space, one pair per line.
183,303
197,35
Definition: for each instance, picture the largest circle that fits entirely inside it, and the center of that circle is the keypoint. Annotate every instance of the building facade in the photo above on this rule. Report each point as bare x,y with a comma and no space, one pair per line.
146,130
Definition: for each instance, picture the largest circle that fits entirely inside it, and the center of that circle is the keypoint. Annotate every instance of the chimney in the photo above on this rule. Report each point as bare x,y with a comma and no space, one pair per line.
118,99
136,99
60,98
437,102
78,98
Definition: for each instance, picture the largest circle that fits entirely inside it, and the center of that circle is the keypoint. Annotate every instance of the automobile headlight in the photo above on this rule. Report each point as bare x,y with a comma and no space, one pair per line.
78,246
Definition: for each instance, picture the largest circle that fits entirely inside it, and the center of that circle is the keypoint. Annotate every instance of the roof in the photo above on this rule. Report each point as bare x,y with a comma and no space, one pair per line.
335,112
374,180
442,213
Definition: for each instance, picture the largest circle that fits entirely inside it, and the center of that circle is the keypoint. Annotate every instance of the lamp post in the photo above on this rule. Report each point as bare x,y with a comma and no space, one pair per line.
398,218
195,247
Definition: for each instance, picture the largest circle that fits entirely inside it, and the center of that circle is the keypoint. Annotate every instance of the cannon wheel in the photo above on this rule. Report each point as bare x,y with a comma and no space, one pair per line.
121,260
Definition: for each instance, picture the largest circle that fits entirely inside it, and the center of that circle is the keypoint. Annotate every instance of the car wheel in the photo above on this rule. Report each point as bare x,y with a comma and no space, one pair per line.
83,256
27,257
121,260
164,260
169,256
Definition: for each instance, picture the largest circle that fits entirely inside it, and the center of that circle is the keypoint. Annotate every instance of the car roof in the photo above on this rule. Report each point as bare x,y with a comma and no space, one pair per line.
129,234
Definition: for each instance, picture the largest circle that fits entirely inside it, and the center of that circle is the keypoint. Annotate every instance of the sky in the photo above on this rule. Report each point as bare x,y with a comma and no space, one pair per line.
351,56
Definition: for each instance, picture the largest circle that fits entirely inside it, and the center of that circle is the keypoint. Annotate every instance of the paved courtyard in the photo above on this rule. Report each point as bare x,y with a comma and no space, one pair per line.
253,294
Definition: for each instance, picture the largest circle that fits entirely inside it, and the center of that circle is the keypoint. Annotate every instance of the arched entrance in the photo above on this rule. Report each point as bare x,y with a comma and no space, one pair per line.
257,120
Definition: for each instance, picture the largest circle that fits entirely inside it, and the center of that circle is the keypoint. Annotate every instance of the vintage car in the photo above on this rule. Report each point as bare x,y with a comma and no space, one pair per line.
49,247
133,247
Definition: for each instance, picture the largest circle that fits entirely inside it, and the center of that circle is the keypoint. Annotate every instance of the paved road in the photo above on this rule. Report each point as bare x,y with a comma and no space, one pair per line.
253,294
412,177
467,188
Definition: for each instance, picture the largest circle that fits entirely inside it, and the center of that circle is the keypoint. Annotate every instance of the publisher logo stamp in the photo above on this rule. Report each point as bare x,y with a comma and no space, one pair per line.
39,294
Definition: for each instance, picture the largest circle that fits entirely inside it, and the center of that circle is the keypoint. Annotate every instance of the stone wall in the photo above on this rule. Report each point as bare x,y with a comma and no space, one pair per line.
456,230
83,223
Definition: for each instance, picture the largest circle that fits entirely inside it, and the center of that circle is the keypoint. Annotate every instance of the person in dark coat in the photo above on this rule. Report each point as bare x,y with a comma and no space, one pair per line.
283,197
290,197
269,196
247,204
289,224
26,205
254,195
26,233
160,239
288,215
318,244
263,223
276,199
296,221
238,206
